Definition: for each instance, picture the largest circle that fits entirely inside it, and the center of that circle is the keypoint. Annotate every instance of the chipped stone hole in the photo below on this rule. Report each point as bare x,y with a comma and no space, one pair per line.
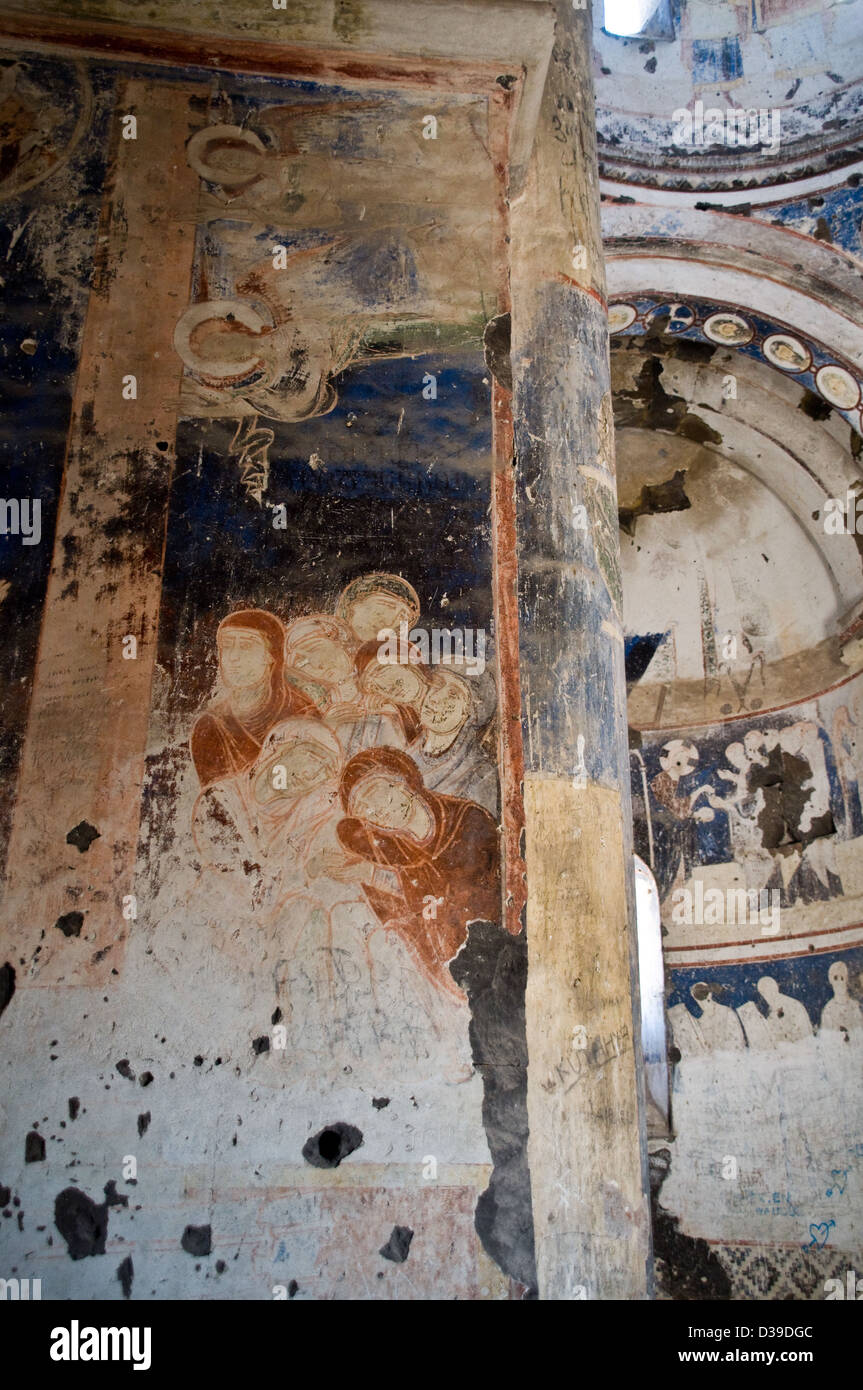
398,1246
655,498
330,1146
7,985
491,968
687,1266
197,1240
82,1223
649,406
82,836
70,923
126,1274
34,1148
812,405
113,1198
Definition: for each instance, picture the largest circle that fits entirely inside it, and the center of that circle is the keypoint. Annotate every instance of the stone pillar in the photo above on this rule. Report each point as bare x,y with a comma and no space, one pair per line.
587,1148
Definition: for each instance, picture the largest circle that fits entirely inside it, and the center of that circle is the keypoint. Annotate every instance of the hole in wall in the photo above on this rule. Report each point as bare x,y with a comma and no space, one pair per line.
330,1146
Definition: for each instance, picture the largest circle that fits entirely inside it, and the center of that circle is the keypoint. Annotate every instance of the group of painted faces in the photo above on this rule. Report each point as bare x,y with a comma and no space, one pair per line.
332,659
327,656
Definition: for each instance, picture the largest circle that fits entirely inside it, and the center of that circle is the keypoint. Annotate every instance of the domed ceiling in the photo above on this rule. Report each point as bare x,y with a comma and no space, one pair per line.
798,64
735,279
736,596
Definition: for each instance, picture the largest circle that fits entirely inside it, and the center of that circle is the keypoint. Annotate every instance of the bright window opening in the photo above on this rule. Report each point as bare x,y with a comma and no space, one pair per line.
648,19
651,975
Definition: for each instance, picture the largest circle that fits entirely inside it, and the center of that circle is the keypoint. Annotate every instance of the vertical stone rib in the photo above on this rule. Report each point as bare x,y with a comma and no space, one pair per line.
106,574
586,1147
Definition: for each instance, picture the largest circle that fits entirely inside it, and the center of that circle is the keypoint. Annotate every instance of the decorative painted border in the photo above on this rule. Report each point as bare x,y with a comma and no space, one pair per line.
691,318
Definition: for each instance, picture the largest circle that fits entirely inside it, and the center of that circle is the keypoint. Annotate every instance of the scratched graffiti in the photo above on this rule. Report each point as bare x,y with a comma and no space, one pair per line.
587,1060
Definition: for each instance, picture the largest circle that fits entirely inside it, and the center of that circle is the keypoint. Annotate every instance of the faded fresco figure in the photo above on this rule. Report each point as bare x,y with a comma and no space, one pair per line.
718,1024
365,718
841,1014
376,603
400,687
319,652
454,726
268,813
314,825
253,696
675,843
442,850
326,971
716,1029
787,1019
294,788
227,737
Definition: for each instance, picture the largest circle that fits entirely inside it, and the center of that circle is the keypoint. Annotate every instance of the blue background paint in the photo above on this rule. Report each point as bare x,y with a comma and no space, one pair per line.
802,977
36,390
412,500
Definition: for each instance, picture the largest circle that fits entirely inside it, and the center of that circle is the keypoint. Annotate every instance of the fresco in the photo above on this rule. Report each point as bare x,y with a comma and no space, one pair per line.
833,216
324,814
330,490
346,807
298,274
769,1040
777,795
753,829
810,362
315,815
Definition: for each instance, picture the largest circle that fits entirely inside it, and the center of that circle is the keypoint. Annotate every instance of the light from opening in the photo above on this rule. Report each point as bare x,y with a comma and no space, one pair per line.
628,18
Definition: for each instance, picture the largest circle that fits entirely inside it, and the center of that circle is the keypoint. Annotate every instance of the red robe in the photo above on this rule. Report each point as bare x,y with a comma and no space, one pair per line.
459,863
222,746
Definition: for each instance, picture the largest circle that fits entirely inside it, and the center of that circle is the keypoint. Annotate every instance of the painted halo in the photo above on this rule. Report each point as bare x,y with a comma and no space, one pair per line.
620,316
786,353
838,386
211,371
729,329
226,155
378,582
40,129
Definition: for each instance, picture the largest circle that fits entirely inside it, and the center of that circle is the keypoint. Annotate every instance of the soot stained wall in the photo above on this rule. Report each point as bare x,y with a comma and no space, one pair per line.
270,846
